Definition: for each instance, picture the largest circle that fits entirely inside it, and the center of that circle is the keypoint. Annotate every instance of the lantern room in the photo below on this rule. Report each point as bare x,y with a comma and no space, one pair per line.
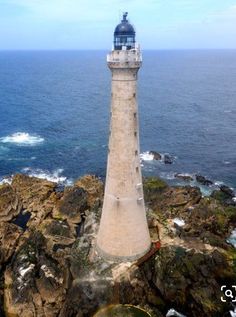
124,35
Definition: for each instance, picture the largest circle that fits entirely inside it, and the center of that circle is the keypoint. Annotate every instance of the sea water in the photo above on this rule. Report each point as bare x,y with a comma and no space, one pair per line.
55,108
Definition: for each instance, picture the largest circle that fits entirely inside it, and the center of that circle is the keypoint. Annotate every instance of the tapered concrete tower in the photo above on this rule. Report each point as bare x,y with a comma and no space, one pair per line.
123,233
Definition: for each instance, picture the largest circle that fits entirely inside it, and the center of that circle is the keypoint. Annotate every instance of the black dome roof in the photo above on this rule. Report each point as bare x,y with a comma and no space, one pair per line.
124,28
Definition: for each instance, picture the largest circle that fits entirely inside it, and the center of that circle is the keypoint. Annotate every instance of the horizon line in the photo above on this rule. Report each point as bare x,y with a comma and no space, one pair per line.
104,49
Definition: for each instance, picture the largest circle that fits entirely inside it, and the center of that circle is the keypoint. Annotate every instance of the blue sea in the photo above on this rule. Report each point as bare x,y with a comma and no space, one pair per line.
55,107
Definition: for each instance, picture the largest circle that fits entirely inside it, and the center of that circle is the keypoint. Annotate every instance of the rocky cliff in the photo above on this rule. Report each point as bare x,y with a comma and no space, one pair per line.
49,266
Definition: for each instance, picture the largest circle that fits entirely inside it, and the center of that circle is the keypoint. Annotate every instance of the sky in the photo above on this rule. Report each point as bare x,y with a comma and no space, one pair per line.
89,24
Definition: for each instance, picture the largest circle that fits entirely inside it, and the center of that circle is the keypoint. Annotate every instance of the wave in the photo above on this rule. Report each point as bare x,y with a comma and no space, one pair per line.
6,180
206,191
22,138
54,176
218,183
165,158
167,175
146,156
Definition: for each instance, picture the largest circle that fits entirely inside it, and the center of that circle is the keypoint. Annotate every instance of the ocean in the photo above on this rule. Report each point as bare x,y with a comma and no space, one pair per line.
55,108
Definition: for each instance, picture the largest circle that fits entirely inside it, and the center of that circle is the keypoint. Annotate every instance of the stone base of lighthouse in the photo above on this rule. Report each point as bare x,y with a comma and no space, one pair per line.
123,233
123,238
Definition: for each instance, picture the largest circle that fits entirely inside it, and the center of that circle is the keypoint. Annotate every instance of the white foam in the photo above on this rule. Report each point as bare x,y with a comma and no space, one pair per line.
219,183
146,156
234,199
6,180
22,138
184,175
172,312
232,238
179,221
233,313
54,176
205,190
168,175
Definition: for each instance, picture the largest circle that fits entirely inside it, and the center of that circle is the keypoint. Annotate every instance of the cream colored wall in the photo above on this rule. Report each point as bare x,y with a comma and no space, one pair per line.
123,231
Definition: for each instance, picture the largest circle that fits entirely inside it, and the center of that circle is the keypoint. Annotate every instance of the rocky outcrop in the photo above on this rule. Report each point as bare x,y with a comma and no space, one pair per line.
9,236
165,158
156,155
94,188
168,159
205,218
10,204
227,191
37,195
203,180
186,276
58,234
182,196
52,269
160,196
225,195
35,282
72,205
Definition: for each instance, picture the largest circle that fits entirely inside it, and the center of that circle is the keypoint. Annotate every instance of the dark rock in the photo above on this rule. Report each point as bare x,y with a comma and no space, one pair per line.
227,190
169,202
72,204
35,284
182,278
10,203
50,272
230,212
9,237
168,159
224,195
38,196
213,239
57,228
58,234
22,219
203,180
156,155
94,188
182,196
230,202
210,221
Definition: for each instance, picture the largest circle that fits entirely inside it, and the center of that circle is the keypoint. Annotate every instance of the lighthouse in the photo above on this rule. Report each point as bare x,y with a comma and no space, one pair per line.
123,232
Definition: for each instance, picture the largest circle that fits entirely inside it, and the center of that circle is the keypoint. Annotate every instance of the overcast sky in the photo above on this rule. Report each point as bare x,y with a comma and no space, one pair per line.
89,24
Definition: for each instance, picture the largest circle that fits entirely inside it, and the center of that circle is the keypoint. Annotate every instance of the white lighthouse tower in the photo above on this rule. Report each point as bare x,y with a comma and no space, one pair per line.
123,233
